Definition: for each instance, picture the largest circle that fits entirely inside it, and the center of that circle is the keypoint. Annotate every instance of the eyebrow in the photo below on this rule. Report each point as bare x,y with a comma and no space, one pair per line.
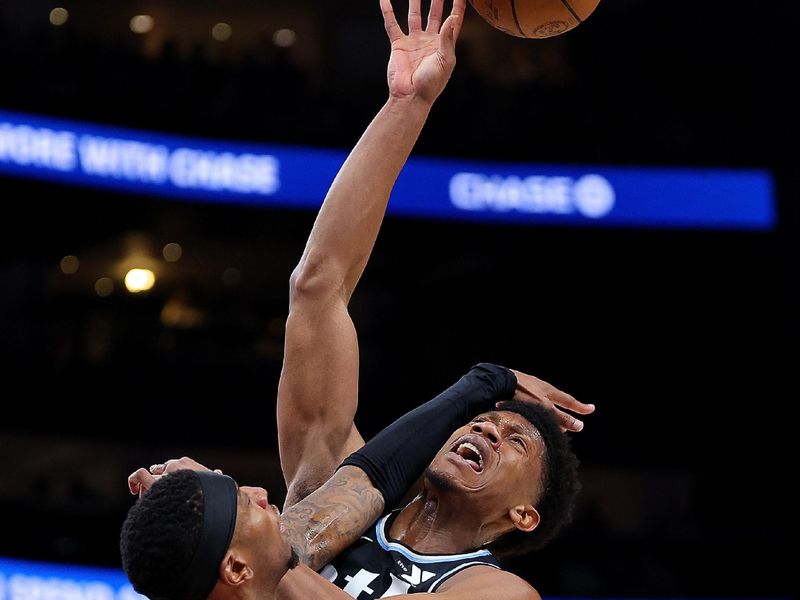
521,430
515,427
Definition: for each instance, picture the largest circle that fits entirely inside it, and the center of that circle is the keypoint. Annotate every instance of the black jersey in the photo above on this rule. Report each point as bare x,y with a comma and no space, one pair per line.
376,567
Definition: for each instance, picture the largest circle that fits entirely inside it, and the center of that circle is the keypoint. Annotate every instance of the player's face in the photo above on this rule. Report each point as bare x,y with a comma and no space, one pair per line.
258,534
497,457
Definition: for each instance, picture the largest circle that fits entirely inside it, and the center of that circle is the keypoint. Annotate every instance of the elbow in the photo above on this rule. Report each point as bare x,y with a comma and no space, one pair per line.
313,280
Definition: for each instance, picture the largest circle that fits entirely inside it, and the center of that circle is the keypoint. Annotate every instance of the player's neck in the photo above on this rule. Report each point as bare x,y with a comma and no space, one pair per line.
434,524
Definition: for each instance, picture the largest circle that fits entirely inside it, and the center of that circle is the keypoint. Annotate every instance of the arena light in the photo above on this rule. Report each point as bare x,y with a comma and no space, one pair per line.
221,32
284,38
59,16
172,252
142,24
104,287
139,280
69,264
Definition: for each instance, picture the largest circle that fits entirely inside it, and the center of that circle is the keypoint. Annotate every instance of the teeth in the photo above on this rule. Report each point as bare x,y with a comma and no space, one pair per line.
472,447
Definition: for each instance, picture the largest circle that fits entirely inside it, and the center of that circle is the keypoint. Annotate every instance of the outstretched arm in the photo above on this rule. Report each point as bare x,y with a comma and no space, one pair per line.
318,389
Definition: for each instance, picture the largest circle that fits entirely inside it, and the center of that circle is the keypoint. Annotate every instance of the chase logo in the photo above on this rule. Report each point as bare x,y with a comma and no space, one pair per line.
591,196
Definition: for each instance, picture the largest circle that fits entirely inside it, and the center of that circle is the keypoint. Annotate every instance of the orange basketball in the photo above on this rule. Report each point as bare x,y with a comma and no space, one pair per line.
534,18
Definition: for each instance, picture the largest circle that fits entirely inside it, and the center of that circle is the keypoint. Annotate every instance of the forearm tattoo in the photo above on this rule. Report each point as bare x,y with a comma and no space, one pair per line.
333,517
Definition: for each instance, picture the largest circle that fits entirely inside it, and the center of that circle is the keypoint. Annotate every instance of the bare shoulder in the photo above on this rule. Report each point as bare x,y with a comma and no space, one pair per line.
482,582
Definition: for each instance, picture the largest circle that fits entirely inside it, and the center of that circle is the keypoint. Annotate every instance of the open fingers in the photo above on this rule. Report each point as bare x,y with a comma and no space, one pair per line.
414,16
435,16
569,422
390,21
565,420
568,401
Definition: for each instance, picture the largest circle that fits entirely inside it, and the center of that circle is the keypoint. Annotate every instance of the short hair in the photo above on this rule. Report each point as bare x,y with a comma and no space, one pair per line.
559,483
161,533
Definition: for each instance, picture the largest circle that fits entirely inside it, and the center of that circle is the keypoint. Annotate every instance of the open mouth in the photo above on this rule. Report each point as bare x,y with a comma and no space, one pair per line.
471,455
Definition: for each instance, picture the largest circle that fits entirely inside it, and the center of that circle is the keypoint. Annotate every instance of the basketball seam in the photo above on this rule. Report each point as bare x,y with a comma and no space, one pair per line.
570,9
516,18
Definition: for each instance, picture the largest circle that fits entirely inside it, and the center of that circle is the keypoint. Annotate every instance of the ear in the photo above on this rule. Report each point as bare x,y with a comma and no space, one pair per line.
234,570
524,517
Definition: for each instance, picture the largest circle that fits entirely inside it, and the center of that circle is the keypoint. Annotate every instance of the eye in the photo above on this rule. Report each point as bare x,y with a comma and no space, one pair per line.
519,441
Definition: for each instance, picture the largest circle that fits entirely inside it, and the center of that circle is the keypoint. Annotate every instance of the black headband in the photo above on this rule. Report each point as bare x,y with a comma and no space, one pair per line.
220,499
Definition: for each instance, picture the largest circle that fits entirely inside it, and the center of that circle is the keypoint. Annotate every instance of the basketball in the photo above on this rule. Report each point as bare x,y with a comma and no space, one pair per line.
534,18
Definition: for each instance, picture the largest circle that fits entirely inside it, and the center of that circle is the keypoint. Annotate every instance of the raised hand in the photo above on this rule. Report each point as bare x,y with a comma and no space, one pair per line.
422,60
537,391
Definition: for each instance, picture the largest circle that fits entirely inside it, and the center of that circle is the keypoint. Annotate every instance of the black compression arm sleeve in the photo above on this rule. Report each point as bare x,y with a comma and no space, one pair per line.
396,457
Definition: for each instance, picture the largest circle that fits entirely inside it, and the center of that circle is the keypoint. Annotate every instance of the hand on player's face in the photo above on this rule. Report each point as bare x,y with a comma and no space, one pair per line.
422,60
532,390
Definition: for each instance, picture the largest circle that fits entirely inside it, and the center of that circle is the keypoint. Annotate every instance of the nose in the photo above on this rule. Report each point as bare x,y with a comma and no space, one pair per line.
489,431
257,494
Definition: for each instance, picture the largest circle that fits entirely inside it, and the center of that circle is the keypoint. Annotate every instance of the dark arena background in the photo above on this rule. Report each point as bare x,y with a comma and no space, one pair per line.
683,334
